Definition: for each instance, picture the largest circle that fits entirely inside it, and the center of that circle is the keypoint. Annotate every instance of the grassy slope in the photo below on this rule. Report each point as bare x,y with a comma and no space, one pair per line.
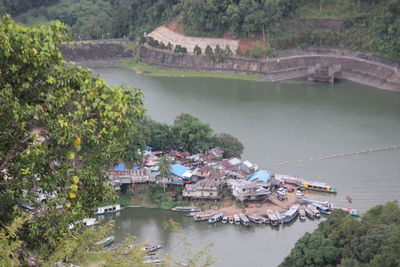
154,71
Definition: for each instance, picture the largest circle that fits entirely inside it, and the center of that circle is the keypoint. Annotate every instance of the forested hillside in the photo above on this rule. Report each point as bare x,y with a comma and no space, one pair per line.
363,25
343,240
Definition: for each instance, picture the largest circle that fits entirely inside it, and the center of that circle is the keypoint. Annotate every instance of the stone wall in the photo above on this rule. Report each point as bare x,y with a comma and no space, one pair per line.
107,53
357,67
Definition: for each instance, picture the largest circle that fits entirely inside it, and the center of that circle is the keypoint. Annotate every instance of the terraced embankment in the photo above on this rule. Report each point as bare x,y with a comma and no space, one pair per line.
358,67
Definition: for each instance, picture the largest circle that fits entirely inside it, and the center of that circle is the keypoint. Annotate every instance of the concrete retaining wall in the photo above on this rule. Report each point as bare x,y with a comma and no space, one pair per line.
358,67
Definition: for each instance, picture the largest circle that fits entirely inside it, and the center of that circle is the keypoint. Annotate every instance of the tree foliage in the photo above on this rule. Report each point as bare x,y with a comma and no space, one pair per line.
345,241
59,127
231,145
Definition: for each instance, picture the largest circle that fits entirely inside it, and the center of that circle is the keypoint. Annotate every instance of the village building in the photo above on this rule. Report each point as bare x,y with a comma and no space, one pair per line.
202,173
244,190
204,189
247,166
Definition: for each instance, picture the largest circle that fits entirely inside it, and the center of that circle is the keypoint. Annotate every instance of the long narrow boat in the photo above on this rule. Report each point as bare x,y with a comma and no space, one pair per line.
236,218
323,209
290,214
315,211
216,218
255,218
275,221
107,209
309,213
203,216
302,214
106,241
186,209
317,186
244,220
225,219
230,219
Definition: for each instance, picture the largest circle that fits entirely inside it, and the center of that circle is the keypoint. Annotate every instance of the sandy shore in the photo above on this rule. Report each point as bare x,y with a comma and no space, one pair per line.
228,209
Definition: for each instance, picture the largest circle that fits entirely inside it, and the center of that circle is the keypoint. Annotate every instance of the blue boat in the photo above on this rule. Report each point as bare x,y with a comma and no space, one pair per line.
290,214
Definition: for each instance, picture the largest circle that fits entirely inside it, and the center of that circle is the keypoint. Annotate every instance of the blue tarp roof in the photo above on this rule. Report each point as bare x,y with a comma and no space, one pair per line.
119,167
149,148
178,170
136,168
261,175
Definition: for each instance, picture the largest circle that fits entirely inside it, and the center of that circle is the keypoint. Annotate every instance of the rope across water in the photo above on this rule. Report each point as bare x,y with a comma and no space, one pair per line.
379,149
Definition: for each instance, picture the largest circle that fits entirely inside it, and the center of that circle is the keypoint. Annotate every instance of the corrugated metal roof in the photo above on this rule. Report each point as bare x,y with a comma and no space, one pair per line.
180,170
119,167
261,175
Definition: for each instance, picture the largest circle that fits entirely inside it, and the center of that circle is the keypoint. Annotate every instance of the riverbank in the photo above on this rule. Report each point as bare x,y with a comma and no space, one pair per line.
146,69
148,198
289,64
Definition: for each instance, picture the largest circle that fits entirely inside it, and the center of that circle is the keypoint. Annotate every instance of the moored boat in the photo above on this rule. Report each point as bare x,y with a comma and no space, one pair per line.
225,219
302,214
203,216
215,218
315,211
108,209
244,220
106,241
275,220
316,186
255,218
309,213
290,214
230,219
186,209
236,218
152,248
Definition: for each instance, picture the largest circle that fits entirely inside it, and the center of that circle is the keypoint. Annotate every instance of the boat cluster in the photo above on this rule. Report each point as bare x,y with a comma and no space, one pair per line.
271,217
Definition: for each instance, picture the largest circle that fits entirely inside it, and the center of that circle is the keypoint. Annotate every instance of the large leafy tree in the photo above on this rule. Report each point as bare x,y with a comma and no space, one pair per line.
231,145
191,134
345,241
59,127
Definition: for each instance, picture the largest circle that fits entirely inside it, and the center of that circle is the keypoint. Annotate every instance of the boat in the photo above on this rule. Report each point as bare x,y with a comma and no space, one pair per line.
236,218
302,214
290,214
215,218
153,260
244,220
203,216
106,241
86,222
323,209
152,248
186,209
225,219
107,209
348,199
350,211
315,211
309,213
257,218
320,187
230,219
275,220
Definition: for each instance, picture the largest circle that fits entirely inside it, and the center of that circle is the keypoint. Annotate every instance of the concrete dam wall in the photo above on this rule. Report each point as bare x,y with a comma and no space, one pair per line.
282,65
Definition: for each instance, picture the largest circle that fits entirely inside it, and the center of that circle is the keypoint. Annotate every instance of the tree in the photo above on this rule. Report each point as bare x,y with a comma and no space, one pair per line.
228,52
197,50
169,46
231,146
164,168
191,134
59,127
209,52
218,54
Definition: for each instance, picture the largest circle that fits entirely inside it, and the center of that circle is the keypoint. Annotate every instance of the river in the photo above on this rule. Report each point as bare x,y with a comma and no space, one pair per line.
277,122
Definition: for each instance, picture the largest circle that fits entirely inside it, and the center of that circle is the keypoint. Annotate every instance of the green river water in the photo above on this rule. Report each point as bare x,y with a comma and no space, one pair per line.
277,122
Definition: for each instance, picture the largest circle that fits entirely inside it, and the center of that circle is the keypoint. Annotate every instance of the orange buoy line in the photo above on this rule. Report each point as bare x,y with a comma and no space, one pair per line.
379,149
